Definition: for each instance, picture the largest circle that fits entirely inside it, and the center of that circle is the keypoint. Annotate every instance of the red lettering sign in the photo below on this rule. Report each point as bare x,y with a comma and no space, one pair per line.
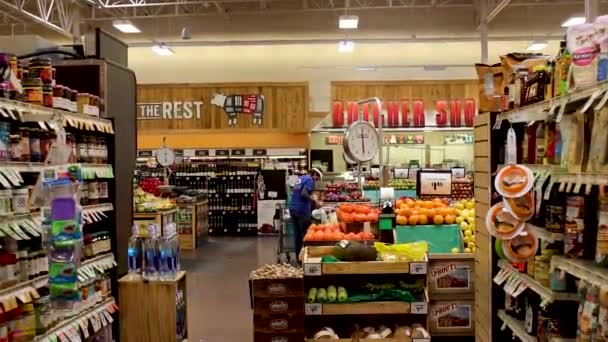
469,112
337,114
405,113
455,113
365,112
392,110
441,117
376,112
418,109
353,112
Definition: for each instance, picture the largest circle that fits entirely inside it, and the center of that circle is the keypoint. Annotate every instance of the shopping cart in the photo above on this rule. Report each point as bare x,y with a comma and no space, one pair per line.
287,242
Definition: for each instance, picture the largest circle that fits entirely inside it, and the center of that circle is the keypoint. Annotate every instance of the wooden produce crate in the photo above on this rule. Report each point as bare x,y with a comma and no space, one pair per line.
143,304
279,336
451,276
314,267
278,323
452,318
277,288
160,218
367,308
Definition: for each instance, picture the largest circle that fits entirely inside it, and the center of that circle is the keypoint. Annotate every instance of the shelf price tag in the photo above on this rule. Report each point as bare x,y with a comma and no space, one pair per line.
420,308
425,339
84,327
313,309
417,267
312,269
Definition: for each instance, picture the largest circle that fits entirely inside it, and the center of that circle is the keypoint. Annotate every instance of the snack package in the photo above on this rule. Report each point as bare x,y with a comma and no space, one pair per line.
601,41
602,319
574,227
598,149
601,249
584,52
490,87
516,69
577,147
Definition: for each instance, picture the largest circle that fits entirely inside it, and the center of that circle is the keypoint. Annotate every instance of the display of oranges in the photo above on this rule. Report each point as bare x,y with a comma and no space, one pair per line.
412,212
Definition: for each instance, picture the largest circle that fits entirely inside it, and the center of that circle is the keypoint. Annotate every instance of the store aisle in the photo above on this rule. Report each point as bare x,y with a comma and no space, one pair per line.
218,292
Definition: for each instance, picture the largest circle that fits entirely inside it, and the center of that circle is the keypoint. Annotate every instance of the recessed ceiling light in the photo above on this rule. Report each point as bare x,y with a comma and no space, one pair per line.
537,45
365,68
575,20
348,22
346,46
162,50
125,26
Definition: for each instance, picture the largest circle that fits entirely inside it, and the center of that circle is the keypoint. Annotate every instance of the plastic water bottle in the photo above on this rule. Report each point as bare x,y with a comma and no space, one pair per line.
165,258
134,255
151,255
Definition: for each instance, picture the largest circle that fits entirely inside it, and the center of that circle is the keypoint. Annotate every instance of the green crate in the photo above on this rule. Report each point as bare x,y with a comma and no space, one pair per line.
385,222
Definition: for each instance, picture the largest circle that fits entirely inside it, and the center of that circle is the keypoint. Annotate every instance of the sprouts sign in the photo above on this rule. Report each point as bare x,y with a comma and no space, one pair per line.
176,110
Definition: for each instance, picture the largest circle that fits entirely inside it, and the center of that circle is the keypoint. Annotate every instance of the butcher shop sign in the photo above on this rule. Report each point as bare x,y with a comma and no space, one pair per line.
176,110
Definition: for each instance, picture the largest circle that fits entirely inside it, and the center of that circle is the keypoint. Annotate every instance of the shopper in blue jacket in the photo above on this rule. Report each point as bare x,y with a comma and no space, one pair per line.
302,204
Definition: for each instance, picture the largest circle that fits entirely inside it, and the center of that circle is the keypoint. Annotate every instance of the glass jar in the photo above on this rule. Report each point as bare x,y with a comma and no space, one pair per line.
73,100
20,202
71,142
35,145
103,192
82,148
5,141
58,96
47,95
5,202
82,100
84,194
32,90
45,145
41,68
92,149
103,150
15,149
93,188
24,144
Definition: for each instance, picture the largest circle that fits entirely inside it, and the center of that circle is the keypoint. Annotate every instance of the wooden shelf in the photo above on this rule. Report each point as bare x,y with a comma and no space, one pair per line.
582,269
367,308
516,326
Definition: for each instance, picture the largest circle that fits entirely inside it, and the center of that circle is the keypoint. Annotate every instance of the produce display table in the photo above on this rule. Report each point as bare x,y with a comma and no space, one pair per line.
192,223
322,274
161,218
149,309
374,194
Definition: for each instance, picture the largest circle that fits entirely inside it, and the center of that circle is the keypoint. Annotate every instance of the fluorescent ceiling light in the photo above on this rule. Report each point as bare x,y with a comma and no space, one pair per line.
125,26
365,68
574,21
162,49
348,22
537,45
346,46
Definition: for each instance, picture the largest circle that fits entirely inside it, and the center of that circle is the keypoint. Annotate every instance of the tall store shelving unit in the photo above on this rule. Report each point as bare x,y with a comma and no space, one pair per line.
96,218
490,135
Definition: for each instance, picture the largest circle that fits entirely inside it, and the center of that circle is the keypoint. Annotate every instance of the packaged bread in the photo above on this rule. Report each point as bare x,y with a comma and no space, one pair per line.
584,51
576,143
490,87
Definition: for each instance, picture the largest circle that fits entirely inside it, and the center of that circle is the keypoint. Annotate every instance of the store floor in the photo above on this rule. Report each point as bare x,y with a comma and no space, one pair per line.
218,291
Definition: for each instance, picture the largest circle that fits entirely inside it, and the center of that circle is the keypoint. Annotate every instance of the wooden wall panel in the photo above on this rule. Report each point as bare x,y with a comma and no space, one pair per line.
286,106
428,91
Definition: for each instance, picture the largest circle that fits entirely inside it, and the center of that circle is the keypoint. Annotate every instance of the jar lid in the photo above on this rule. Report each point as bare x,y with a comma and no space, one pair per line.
20,191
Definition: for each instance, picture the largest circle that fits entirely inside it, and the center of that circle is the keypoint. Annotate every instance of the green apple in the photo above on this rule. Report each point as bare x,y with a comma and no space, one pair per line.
466,239
467,250
468,233
471,220
471,244
459,206
455,250
464,226
459,220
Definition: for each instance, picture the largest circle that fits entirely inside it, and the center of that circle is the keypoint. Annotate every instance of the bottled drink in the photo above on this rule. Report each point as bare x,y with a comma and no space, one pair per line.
150,254
165,258
134,254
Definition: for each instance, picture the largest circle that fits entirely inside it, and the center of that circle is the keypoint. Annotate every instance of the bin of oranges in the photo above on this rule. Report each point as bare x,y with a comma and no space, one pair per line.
412,212
349,213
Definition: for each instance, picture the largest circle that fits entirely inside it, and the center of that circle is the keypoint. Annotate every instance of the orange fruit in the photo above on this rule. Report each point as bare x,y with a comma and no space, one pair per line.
450,219
401,220
413,220
422,219
399,203
438,219
409,201
431,213
407,212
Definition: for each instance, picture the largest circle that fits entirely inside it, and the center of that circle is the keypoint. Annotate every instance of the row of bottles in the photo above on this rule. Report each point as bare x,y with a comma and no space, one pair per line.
232,185
152,256
215,169
231,204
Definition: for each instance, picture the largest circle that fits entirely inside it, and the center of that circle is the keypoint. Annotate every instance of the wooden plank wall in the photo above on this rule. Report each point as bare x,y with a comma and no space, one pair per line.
483,253
428,91
286,105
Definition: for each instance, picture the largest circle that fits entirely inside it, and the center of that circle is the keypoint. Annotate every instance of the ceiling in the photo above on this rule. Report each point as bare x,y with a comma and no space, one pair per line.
226,22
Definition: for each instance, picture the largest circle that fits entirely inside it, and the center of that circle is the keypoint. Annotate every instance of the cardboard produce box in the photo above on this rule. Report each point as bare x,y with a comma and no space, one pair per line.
278,305
273,288
452,318
450,276
279,337
278,323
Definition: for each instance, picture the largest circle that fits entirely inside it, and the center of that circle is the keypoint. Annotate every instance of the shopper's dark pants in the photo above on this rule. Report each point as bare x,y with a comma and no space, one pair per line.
301,224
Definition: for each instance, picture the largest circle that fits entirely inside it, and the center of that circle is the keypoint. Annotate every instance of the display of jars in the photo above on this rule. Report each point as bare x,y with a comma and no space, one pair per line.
32,90
41,68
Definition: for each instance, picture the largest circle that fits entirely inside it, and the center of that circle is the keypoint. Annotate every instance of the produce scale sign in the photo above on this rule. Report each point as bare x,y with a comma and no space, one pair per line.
437,183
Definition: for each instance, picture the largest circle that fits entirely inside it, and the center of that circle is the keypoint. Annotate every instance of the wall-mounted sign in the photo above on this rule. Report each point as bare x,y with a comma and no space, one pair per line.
458,139
201,153
145,153
237,153
259,152
176,110
434,183
334,139
222,153
403,139
251,104
458,172
402,173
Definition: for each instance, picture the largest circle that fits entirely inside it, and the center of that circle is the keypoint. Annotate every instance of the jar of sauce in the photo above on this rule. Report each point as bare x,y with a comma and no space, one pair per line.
41,68
47,95
24,144
35,153
32,90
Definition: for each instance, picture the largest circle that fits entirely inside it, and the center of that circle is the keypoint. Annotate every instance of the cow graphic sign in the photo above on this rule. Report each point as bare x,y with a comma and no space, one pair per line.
251,104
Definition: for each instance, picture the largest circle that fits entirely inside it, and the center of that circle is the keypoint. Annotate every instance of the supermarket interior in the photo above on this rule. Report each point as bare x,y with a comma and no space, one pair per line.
300,170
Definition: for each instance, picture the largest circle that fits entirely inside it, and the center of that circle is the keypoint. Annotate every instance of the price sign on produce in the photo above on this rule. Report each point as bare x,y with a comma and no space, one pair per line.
434,183
312,269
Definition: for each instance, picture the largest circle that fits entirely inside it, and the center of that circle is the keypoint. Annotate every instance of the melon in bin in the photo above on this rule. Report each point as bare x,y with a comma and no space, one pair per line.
346,250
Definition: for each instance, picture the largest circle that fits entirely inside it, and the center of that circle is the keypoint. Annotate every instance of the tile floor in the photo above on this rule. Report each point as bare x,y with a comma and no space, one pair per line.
218,289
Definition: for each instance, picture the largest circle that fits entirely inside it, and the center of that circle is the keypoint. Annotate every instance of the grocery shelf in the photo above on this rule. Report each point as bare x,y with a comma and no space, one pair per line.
367,308
21,226
91,171
539,111
582,269
81,321
544,234
516,326
99,264
43,115
518,279
95,212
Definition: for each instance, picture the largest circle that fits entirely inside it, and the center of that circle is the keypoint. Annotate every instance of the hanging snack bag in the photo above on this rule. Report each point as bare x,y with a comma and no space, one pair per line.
584,52
577,148
574,227
516,69
501,224
514,181
598,148
601,41
601,249
490,87
522,247
522,208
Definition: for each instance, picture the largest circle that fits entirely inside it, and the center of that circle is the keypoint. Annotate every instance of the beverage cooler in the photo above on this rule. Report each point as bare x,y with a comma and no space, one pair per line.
272,195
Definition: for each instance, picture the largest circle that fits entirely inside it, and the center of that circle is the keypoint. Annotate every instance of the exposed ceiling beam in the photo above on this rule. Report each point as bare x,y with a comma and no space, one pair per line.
54,15
492,13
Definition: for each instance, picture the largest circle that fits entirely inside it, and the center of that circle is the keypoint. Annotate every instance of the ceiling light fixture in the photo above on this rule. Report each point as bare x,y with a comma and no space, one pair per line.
574,20
162,50
346,46
365,68
125,26
537,45
348,22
